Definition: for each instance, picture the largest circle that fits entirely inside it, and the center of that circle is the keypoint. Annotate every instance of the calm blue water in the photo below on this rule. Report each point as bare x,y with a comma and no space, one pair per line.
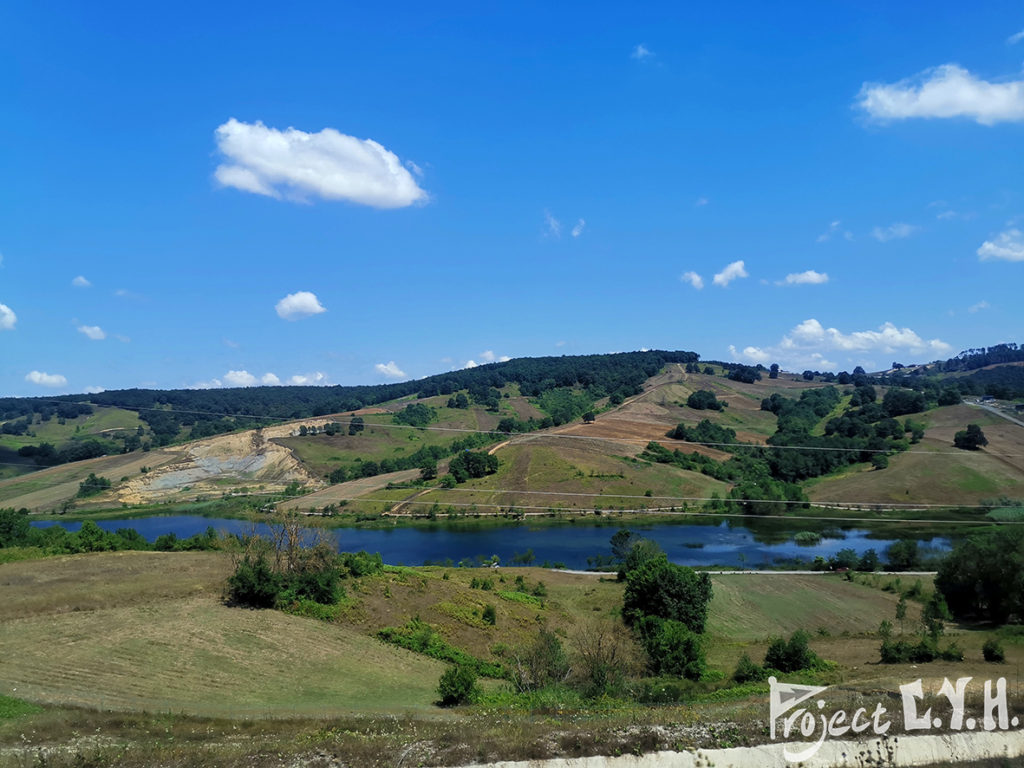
723,544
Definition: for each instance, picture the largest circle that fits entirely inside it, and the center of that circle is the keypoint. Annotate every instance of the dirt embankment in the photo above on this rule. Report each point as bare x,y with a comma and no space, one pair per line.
220,463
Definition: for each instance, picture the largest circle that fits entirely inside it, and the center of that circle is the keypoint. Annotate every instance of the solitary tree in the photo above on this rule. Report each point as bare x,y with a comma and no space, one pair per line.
773,372
970,439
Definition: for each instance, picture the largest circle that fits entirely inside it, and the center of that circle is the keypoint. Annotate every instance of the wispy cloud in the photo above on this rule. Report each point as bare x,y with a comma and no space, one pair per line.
978,307
700,202
733,271
810,277
1014,39
297,165
947,91
577,230
46,379
897,231
693,279
390,369
93,332
553,225
298,305
1007,246
80,282
641,52
834,230
7,318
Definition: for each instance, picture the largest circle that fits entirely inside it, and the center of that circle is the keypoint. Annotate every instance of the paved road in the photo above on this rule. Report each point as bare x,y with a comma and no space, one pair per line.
997,412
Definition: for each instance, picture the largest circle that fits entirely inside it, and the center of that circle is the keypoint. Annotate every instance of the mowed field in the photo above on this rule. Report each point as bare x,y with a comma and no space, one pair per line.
46,489
148,631
934,471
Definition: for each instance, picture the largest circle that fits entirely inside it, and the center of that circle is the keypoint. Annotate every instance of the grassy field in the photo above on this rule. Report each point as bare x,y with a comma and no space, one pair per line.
148,631
46,489
89,636
935,472
102,420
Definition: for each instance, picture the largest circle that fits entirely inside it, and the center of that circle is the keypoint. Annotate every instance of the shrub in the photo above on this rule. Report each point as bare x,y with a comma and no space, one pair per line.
747,671
254,583
490,615
457,686
672,648
993,651
667,591
703,400
541,664
792,656
362,563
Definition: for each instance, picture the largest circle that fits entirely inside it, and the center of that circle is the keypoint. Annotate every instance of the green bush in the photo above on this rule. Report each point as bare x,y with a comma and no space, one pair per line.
791,656
362,563
667,591
457,686
490,615
254,583
993,651
420,637
747,671
672,648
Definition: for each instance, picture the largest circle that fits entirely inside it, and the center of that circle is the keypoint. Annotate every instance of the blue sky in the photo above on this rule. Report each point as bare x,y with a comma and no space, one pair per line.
217,194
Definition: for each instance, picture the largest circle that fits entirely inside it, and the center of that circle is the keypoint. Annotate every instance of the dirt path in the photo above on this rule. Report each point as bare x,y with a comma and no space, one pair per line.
350,490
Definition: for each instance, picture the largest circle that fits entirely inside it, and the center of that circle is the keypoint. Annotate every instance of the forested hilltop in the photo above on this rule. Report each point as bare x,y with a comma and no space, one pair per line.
213,411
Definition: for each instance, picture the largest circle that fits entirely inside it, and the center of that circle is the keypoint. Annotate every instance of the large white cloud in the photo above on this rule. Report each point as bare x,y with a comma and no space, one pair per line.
7,318
944,92
732,272
239,379
94,332
46,379
1008,246
299,304
810,345
390,369
327,164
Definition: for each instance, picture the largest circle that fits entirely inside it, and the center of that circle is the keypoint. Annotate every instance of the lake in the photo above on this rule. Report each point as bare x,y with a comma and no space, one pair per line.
726,543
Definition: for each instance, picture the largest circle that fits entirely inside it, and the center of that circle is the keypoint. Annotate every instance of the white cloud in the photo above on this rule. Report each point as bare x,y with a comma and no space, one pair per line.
270,380
94,332
80,282
943,92
700,201
211,384
239,379
488,356
1014,39
328,164
641,52
693,279
810,277
554,226
897,231
94,390
46,379
299,304
121,338
1008,246
578,229
390,369
808,344
834,230
7,318
471,364
733,271
978,307
308,380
